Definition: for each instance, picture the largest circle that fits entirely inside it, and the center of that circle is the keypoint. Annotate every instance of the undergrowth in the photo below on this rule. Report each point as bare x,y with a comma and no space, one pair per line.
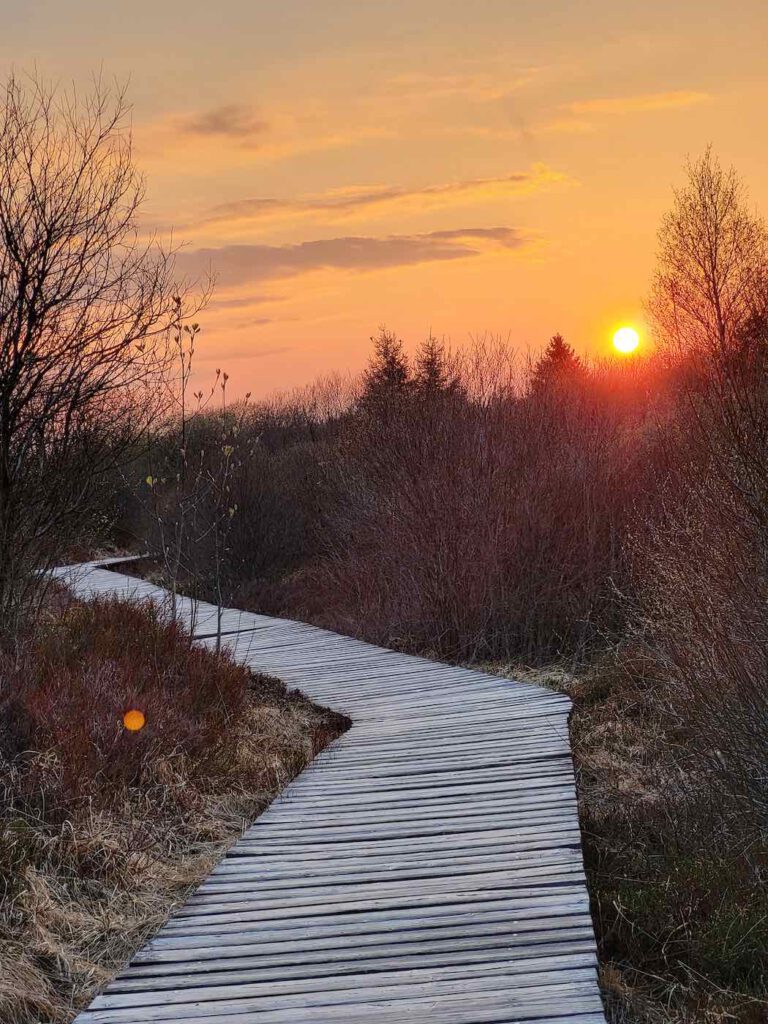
676,865
103,832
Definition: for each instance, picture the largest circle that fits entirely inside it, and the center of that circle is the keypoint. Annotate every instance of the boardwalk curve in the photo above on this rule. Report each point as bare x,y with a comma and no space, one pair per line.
425,868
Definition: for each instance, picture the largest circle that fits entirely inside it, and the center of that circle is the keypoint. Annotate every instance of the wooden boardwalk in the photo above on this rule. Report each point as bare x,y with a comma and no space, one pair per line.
426,867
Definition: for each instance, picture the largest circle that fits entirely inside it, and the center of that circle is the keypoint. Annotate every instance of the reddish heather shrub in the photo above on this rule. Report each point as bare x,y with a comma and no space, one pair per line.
68,687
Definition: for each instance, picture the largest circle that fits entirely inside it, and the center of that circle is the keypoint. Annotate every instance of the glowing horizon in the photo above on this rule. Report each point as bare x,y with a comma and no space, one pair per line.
343,166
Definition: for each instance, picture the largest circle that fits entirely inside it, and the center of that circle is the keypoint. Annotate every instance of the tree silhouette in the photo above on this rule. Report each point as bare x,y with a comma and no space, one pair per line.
712,279
388,379
433,374
558,365
85,306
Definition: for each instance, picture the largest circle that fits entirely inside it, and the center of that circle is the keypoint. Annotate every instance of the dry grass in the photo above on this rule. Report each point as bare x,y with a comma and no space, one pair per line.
676,870
92,864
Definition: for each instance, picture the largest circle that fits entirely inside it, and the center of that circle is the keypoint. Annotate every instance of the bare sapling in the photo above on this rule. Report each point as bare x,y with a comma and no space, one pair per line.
191,462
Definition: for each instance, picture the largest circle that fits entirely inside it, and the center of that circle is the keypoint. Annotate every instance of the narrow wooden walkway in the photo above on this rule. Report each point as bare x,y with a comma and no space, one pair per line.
426,867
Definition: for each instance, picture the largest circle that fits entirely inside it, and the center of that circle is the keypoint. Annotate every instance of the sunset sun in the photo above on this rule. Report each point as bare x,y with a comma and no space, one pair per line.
626,340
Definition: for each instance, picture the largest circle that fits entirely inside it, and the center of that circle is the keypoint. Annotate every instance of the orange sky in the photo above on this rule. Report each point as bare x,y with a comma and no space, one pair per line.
499,166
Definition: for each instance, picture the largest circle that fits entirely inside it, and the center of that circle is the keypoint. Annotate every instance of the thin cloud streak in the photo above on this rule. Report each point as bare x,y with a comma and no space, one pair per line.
484,87
638,104
234,135
226,351
235,265
239,302
348,203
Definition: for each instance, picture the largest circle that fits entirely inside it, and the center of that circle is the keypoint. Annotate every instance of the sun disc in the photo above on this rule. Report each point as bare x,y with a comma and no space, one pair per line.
626,340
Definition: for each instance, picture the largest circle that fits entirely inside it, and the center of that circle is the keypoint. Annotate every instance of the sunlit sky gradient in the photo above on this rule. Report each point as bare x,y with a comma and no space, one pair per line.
495,166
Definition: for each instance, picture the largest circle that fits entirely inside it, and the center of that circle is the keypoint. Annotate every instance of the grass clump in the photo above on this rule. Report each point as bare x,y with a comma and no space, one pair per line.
102,831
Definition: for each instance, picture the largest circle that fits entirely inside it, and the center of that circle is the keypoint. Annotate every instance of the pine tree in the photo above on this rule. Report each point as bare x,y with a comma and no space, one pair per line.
432,374
558,365
388,377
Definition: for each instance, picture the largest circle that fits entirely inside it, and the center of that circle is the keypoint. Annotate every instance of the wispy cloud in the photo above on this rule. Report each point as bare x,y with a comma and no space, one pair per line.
477,85
637,104
240,342
233,121
239,135
523,130
236,265
257,321
351,202
241,301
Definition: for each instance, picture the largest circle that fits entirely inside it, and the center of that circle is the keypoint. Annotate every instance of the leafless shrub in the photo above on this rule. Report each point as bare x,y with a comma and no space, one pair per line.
191,460
480,519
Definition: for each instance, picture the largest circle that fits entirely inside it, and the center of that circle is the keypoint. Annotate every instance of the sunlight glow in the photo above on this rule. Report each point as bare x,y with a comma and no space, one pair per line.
626,340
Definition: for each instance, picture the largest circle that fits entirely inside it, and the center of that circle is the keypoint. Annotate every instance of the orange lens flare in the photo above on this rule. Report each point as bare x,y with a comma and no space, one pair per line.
134,720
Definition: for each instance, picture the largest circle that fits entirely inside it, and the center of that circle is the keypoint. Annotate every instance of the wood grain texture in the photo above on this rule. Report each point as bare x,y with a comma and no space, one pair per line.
426,867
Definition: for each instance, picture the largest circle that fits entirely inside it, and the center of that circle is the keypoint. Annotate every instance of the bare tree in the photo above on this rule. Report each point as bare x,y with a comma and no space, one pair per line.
704,564
710,305
85,305
713,255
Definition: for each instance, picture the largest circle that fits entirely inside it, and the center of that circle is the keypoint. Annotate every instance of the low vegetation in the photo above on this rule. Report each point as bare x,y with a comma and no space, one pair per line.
103,830
676,868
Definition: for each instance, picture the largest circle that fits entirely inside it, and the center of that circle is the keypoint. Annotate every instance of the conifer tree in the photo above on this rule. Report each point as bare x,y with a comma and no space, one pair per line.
388,378
432,373
558,365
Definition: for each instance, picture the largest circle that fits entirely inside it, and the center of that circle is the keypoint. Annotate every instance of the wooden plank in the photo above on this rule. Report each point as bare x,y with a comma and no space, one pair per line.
297,940
351,987
382,959
505,993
